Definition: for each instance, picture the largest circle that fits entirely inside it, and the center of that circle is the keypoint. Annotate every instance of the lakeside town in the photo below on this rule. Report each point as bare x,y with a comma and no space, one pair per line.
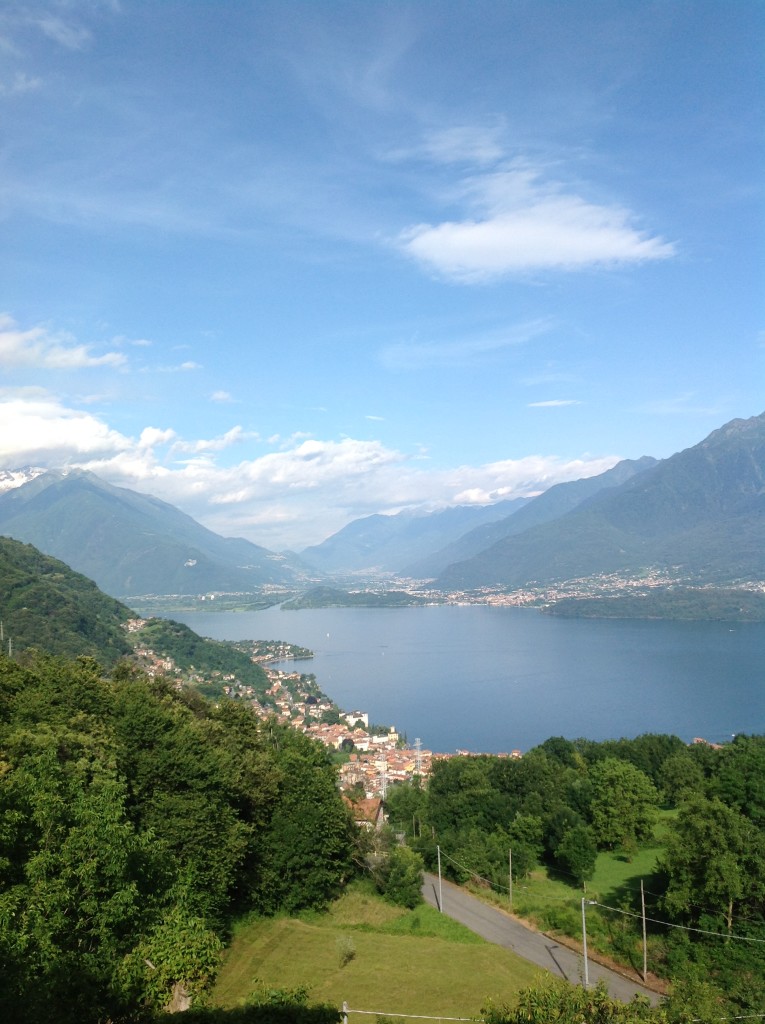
371,757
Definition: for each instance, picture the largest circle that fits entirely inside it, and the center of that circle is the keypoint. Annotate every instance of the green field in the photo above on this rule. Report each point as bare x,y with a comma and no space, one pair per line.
403,961
419,961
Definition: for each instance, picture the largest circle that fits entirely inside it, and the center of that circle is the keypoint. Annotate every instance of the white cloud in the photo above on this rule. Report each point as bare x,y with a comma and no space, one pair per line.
295,495
215,444
221,396
151,437
35,428
517,222
42,349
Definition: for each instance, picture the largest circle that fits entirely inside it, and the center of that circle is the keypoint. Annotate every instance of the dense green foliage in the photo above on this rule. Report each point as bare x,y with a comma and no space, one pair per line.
564,800
190,651
44,604
135,819
331,597
570,1004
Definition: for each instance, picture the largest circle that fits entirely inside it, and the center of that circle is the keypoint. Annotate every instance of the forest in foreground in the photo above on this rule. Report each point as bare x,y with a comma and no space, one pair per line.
565,803
140,821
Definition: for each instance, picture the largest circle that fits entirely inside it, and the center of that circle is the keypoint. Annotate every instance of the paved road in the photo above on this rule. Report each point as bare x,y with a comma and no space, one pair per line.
504,930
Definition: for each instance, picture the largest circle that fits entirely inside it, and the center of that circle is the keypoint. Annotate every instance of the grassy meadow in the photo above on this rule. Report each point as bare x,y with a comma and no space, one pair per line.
385,959
374,957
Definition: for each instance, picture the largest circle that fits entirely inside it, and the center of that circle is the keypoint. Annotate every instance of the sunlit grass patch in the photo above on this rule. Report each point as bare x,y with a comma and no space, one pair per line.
416,961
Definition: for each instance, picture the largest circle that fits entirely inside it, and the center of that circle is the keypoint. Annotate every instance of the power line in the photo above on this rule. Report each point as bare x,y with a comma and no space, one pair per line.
682,927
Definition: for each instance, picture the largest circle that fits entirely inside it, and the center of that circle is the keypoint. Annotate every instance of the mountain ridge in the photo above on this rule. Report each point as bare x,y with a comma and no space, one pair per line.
699,513
133,544
550,504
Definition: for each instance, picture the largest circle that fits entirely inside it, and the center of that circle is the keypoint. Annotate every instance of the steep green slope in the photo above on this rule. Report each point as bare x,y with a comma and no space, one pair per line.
697,515
44,604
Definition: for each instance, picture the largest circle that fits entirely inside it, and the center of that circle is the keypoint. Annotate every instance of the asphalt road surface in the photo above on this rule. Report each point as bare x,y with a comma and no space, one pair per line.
503,930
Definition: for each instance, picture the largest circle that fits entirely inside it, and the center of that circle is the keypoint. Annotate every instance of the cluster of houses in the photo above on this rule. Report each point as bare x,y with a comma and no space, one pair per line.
376,758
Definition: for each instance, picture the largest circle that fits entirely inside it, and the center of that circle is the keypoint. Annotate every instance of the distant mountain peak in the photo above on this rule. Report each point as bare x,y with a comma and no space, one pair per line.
10,478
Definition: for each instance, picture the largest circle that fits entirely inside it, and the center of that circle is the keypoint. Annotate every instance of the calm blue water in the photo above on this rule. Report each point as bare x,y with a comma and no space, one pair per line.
492,679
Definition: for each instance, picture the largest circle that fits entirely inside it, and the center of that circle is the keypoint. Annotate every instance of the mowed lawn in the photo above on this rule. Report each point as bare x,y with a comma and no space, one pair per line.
416,962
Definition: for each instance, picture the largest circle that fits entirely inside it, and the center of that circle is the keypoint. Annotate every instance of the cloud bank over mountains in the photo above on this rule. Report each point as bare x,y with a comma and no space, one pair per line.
292,493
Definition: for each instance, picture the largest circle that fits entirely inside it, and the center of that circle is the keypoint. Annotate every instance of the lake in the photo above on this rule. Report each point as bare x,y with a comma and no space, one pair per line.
494,679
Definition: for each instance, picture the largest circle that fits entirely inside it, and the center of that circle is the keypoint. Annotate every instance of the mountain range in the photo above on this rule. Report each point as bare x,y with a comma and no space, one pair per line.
697,516
551,504
389,542
134,544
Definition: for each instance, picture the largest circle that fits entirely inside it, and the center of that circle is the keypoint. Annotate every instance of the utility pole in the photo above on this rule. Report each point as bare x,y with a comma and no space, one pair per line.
384,776
440,894
592,903
645,944
510,876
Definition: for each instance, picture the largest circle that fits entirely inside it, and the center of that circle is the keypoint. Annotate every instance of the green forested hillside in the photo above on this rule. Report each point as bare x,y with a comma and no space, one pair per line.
135,820
200,654
44,604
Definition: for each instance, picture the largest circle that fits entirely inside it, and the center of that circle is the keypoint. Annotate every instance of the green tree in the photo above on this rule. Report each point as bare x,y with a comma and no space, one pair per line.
623,803
525,838
304,854
400,877
577,852
715,862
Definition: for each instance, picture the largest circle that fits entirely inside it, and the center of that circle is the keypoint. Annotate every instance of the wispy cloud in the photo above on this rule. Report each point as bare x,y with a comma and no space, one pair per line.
188,366
66,33
471,144
41,348
517,220
221,396
415,355
19,84
554,403
682,404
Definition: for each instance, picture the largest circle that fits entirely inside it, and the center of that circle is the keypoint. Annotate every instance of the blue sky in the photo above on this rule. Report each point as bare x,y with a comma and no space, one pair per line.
285,264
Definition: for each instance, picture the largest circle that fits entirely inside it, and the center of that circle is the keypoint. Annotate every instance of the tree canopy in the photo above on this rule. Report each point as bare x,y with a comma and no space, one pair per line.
135,819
